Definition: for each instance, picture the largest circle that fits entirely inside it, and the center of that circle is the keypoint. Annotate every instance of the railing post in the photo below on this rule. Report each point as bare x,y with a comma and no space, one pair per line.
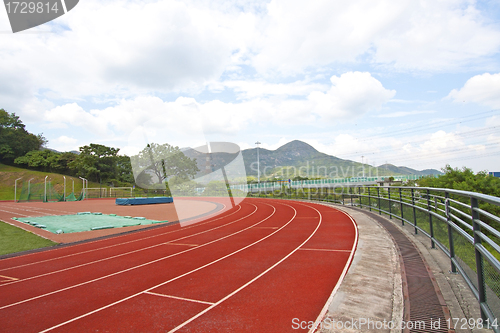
479,257
431,227
359,197
450,231
350,194
414,211
401,206
389,201
369,201
378,195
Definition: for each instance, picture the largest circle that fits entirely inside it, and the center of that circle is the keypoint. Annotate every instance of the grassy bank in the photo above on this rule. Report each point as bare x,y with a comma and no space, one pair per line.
9,174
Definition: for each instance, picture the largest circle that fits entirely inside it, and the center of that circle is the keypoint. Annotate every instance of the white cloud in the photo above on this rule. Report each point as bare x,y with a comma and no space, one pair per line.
483,89
404,113
405,35
351,94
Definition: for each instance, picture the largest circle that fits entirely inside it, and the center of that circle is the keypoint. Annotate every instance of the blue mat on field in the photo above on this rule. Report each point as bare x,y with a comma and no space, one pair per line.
143,201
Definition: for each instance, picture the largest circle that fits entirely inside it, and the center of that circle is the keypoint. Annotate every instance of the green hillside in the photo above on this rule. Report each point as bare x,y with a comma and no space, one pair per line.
8,175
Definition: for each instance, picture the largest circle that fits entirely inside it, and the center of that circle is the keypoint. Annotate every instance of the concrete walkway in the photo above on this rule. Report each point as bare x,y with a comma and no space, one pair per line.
372,290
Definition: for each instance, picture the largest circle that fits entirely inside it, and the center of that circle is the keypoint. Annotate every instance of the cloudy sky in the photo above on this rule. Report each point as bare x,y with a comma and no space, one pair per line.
414,83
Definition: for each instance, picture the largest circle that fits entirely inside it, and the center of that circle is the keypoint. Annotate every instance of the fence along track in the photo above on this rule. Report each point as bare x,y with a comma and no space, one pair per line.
464,225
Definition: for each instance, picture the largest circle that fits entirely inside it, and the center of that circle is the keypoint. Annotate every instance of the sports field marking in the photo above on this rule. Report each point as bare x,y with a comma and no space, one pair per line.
127,253
327,250
36,209
255,278
266,227
342,276
6,211
179,276
118,244
142,265
180,298
7,278
170,243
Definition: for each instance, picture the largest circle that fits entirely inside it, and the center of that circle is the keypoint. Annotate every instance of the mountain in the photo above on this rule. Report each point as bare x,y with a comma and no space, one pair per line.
408,171
298,158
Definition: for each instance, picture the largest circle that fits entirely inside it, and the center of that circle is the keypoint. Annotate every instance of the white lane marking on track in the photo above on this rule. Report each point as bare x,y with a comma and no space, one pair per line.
180,298
119,244
131,268
327,250
6,211
123,254
7,278
254,279
37,209
342,276
177,277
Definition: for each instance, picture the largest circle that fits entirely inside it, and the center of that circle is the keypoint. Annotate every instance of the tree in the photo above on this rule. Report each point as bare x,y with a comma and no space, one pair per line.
15,141
47,160
157,163
96,162
464,179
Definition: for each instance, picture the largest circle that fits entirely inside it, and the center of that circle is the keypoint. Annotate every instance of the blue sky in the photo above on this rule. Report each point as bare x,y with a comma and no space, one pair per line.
413,83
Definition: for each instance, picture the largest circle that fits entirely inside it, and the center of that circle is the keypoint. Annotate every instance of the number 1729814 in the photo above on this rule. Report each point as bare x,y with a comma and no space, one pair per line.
25,7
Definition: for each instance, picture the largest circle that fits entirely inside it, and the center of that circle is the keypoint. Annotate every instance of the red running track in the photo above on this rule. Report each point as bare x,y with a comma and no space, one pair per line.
260,267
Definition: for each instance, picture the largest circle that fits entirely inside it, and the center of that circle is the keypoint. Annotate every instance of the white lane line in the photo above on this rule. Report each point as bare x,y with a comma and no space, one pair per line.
131,268
6,211
342,276
177,277
114,245
254,279
183,244
7,278
125,253
37,209
180,298
327,250
266,227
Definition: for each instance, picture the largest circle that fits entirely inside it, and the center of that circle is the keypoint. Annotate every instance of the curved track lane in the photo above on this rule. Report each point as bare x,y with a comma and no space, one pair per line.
259,267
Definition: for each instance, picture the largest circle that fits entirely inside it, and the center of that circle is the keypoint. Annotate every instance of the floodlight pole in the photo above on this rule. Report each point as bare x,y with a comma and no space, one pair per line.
362,164
258,164
64,192
45,190
73,185
15,188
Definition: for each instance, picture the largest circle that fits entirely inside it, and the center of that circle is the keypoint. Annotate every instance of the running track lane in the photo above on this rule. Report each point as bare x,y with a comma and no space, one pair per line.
254,269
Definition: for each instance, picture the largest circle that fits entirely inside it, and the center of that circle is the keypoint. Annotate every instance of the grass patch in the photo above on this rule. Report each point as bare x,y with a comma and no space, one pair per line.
14,239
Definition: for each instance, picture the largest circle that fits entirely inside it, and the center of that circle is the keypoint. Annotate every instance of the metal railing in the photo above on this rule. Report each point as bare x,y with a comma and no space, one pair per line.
464,225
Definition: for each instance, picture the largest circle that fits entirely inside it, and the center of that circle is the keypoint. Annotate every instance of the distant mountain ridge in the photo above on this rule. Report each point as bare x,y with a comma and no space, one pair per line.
297,158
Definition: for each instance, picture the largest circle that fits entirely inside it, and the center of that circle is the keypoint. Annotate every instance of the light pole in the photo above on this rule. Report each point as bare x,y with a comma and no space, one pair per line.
363,165
15,188
73,185
258,165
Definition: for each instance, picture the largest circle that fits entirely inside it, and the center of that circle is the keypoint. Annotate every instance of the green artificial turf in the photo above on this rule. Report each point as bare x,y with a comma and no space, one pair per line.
14,239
